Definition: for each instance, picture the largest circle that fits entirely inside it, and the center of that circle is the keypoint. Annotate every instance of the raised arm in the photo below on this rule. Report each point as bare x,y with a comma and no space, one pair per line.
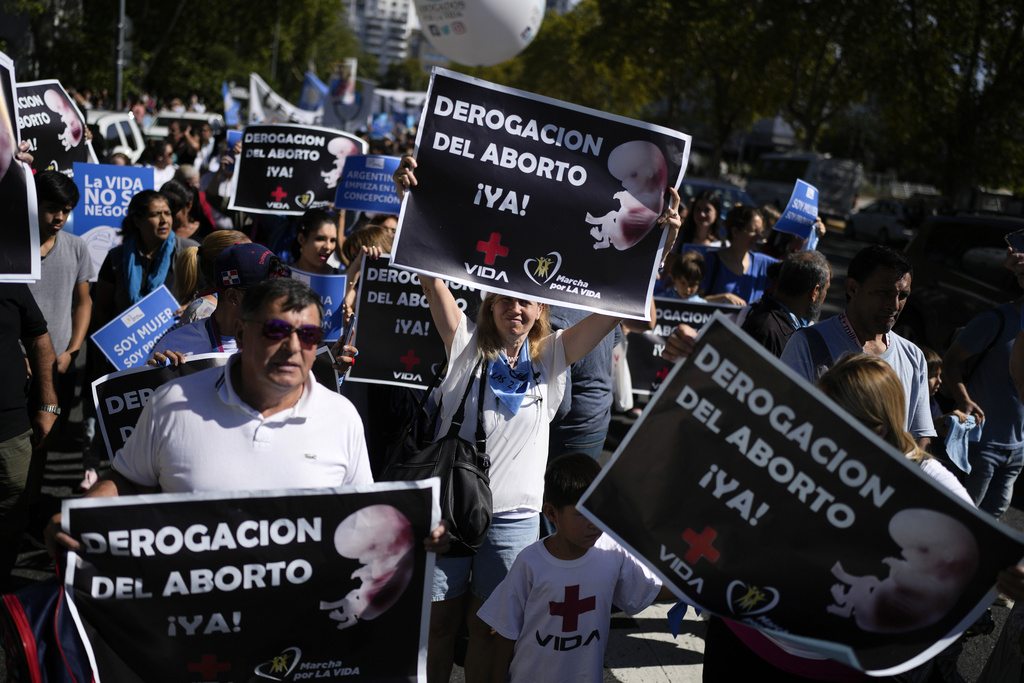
443,309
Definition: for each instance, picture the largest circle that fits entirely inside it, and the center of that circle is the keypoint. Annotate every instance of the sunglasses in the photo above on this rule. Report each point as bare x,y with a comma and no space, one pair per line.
277,330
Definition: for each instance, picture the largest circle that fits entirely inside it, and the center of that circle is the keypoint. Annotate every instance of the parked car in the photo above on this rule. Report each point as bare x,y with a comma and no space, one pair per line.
730,194
158,129
958,273
886,221
114,132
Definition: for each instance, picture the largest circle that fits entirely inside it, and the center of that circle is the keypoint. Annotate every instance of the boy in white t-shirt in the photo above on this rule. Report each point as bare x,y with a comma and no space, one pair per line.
552,613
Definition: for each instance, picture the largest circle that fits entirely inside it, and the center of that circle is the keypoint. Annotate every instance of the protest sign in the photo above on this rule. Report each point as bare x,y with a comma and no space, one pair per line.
647,368
758,499
127,339
800,214
19,239
536,198
324,584
366,184
287,169
331,290
106,191
323,369
49,120
400,344
120,396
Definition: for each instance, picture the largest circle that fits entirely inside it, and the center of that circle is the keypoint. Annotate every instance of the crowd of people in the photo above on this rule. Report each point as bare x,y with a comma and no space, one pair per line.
536,378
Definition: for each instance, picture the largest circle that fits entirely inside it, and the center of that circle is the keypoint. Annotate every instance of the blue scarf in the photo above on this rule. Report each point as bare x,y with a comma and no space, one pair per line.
510,385
133,271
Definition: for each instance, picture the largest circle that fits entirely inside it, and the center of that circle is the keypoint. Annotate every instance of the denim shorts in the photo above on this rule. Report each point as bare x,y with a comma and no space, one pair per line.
482,572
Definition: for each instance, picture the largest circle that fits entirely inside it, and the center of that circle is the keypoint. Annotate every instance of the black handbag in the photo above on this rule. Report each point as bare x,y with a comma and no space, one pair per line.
462,468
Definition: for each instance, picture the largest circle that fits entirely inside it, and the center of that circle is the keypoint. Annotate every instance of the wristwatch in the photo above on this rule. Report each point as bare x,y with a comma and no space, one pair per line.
50,409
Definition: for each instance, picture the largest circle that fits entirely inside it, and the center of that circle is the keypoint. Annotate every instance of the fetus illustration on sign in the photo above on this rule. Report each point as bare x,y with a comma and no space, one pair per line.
341,148
381,538
641,168
72,133
939,556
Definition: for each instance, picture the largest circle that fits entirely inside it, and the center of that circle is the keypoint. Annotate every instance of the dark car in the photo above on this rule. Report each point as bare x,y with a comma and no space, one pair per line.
730,194
958,273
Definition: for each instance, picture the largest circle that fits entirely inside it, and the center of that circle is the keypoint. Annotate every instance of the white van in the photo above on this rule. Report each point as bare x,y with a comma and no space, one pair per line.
838,181
113,132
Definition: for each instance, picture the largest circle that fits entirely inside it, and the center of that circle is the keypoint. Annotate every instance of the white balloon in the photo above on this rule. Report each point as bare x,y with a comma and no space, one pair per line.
480,32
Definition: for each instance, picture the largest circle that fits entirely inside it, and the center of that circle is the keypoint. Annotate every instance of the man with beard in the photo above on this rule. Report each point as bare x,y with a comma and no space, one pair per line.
877,287
800,290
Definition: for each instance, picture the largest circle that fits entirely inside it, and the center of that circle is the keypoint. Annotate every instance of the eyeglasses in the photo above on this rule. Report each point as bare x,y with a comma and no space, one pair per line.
276,330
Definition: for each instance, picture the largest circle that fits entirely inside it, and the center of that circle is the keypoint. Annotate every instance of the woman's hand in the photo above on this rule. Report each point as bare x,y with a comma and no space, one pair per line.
725,298
344,356
670,219
404,177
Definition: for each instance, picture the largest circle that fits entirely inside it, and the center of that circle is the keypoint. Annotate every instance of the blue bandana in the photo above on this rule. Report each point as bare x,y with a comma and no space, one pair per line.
508,384
139,286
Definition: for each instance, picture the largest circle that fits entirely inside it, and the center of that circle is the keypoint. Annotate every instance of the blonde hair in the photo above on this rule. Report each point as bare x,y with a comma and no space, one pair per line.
490,343
367,236
869,390
193,271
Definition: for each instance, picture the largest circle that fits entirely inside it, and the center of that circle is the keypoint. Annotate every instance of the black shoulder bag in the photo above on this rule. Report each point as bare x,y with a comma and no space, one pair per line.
462,468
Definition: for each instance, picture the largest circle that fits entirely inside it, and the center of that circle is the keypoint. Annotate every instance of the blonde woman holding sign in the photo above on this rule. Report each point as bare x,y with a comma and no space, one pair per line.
524,368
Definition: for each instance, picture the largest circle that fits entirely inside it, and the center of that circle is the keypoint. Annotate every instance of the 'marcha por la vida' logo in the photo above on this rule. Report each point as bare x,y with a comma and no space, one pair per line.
305,200
542,268
746,600
279,667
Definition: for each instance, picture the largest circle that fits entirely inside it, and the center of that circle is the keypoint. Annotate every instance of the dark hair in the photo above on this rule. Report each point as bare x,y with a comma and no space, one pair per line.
691,267
307,224
802,271
567,477
298,296
874,256
769,214
687,232
932,358
738,217
54,186
380,218
139,205
178,194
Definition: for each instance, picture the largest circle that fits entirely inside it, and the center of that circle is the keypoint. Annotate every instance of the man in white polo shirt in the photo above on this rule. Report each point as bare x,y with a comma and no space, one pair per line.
260,422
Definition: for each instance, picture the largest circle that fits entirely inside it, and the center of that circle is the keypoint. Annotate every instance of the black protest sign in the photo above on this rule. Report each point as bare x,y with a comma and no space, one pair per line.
53,126
758,499
647,368
323,369
288,169
394,330
19,236
536,198
121,396
290,585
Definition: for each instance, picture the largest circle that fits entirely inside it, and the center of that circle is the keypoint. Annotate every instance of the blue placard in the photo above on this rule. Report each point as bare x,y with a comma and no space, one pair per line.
366,184
127,339
331,289
800,214
106,191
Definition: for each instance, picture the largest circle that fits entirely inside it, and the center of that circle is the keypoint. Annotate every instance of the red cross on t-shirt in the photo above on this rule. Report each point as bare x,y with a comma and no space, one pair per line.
572,608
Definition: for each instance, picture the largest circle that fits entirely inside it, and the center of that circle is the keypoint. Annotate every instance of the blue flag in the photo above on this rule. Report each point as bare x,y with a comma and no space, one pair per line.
232,108
313,92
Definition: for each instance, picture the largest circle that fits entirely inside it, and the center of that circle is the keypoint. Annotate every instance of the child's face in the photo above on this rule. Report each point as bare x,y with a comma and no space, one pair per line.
575,530
685,288
934,381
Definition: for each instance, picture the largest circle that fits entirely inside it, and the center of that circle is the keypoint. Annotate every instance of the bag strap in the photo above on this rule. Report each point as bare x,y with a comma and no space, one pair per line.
481,437
460,414
393,455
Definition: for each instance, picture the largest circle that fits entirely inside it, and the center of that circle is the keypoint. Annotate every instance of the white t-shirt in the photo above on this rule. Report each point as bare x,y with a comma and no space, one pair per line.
517,445
942,476
902,356
570,644
196,434
194,338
